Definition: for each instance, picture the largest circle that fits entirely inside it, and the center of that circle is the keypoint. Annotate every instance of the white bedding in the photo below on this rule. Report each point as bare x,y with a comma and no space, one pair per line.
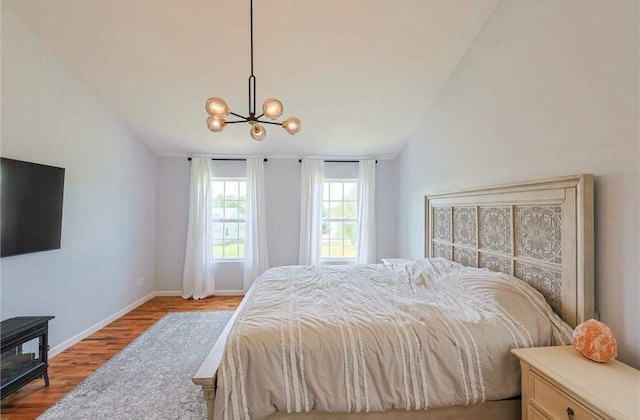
374,337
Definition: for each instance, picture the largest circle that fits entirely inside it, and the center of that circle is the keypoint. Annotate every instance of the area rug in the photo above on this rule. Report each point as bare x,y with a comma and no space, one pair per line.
151,377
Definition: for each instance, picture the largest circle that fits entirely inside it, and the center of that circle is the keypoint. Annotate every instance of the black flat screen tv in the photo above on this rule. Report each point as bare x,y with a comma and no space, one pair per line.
31,202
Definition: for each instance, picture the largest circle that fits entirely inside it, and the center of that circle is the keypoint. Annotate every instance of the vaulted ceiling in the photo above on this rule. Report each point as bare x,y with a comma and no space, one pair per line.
360,74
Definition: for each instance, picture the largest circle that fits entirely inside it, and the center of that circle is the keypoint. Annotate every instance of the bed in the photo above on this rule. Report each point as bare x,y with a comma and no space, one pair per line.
353,339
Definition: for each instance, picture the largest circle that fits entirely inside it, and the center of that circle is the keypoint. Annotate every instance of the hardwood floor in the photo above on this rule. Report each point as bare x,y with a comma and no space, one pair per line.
70,367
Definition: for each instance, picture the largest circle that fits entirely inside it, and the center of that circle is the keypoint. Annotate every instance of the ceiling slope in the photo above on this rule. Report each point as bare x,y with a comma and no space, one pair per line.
360,74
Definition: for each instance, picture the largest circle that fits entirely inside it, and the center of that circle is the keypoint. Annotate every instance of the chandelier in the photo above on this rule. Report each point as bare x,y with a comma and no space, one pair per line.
272,108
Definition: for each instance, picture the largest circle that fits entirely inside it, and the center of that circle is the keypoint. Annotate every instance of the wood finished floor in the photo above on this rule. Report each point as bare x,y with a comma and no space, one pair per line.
70,367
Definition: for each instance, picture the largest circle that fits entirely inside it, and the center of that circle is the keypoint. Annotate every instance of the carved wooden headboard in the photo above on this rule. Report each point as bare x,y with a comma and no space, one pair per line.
540,232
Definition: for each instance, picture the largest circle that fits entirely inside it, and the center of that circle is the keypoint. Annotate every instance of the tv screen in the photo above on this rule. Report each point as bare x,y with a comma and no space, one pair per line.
31,201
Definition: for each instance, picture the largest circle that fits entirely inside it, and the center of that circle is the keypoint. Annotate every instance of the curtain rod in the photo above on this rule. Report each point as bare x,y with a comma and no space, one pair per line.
339,161
229,159
299,160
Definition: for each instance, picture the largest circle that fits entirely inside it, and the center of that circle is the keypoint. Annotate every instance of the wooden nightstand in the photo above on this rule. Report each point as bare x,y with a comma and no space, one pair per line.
560,383
389,261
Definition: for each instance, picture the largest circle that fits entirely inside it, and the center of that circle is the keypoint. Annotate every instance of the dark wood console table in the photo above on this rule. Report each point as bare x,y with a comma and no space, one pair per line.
25,348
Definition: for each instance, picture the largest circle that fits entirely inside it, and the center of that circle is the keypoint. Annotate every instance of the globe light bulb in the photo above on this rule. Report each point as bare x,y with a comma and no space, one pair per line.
257,132
272,108
216,124
291,125
217,107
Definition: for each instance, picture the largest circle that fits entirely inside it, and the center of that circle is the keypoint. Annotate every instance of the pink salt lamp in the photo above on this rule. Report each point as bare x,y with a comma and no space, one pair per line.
595,341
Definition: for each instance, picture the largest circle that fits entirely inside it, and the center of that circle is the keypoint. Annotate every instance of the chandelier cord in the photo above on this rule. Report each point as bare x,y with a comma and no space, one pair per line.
252,78
251,25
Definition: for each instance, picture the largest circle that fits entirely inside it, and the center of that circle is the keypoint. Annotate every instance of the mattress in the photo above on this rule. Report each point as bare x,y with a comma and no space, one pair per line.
362,338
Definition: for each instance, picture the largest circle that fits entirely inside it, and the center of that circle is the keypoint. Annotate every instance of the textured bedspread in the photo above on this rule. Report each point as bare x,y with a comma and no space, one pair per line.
372,337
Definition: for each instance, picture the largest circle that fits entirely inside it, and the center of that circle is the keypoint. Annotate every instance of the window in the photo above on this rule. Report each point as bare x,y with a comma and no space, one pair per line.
229,218
339,220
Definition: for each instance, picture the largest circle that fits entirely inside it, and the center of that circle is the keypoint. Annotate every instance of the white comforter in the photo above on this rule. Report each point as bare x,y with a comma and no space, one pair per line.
371,337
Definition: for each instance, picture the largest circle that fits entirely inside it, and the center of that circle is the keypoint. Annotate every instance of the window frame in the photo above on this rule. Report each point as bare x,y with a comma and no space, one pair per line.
226,179
342,259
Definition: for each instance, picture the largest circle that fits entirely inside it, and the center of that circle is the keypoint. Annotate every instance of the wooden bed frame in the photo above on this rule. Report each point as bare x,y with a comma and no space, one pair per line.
539,231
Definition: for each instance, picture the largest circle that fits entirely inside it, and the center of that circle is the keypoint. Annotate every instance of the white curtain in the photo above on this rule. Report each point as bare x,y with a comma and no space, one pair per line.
367,212
312,178
197,279
255,246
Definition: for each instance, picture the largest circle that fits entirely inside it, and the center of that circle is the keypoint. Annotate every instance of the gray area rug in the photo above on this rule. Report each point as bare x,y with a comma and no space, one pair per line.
151,377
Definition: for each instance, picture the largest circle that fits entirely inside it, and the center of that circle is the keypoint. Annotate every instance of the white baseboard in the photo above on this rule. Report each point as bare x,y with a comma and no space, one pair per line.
168,293
229,293
86,333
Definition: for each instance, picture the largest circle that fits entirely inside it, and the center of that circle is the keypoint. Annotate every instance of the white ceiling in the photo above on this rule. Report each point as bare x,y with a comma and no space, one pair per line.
360,74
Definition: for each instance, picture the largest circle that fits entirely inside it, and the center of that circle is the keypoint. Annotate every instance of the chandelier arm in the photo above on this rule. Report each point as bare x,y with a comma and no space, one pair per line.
239,116
237,122
269,122
259,116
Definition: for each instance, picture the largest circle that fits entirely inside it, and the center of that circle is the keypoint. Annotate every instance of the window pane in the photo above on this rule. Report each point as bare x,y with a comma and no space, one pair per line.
335,210
218,209
242,210
230,231
337,228
231,210
325,230
231,190
242,231
241,249
218,249
350,249
335,191
350,190
231,250
325,209
218,189
217,230
335,249
236,250
325,191
324,249
350,210
243,190
351,231
224,249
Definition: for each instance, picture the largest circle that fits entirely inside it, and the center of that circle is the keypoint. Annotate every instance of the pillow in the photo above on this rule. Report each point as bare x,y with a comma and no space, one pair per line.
595,341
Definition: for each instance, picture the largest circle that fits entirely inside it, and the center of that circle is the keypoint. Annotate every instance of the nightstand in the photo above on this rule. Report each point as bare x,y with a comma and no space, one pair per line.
401,261
560,383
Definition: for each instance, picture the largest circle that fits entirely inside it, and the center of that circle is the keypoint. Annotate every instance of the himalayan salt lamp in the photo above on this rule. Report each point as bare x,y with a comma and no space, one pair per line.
595,341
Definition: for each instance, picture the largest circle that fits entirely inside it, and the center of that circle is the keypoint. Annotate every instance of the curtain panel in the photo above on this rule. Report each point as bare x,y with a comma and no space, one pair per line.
312,178
197,280
367,212
255,247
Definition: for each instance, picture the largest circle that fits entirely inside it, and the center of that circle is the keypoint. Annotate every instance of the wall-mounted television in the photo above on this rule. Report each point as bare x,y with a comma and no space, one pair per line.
31,207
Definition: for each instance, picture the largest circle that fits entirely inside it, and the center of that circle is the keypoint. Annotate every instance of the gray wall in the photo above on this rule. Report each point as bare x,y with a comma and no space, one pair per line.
547,89
108,223
282,194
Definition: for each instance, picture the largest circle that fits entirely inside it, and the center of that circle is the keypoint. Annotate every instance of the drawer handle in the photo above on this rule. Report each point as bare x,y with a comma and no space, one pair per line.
570,412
